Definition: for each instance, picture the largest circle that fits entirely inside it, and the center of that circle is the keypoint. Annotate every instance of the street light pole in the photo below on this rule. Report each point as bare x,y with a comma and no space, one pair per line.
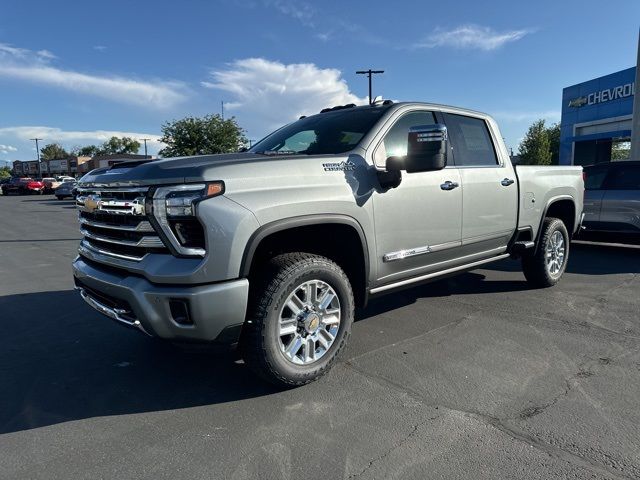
369,73
38,152
145,145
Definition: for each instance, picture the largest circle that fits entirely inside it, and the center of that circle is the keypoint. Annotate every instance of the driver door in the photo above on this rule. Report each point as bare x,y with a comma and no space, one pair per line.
419,223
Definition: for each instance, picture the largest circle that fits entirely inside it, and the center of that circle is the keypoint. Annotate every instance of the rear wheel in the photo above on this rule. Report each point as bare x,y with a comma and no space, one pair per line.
545,267
301,319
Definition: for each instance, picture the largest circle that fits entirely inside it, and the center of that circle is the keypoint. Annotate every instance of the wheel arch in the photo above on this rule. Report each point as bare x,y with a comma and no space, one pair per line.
562,207
280,235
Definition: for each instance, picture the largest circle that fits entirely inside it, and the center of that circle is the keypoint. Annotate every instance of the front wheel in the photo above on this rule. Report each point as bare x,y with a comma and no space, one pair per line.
300,321
545,267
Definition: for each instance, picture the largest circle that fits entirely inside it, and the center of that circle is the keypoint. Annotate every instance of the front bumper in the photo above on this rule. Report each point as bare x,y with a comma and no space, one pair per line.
216,311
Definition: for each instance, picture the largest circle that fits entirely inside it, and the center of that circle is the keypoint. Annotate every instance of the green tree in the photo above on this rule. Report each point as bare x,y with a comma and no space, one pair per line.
113,146
5,172
201,136
53,151
88,151
119,145
535,148
553,133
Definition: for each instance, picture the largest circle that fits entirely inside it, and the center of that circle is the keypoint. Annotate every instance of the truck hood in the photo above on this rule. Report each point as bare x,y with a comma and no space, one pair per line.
195,169
166,171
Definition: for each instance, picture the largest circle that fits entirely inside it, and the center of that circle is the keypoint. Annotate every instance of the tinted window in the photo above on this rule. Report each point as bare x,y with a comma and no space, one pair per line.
594,176
326,133
623,178
470,140
395,141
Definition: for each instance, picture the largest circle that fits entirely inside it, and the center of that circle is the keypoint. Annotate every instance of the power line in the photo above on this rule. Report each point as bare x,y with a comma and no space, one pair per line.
369,73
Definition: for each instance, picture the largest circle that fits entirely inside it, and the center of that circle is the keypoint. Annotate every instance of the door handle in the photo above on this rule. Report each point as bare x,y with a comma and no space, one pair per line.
506,182
448,185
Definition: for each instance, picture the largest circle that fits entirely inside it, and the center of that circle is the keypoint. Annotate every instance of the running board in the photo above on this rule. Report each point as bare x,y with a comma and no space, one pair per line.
428,276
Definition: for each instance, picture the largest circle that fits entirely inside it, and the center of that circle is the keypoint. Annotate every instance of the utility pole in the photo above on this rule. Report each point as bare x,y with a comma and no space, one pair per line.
369,73
145,145
38,152
222,108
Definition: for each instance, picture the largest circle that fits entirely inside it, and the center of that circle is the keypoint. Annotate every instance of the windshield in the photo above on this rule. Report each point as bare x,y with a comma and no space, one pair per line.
326,133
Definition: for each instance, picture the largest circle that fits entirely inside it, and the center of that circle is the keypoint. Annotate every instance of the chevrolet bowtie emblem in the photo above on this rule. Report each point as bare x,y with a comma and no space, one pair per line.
92,203
578,102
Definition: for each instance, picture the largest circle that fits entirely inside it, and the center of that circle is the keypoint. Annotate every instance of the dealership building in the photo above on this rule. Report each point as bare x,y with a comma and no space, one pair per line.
597,119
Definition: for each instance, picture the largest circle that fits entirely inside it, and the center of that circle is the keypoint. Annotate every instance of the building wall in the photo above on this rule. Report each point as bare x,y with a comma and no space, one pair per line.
596,111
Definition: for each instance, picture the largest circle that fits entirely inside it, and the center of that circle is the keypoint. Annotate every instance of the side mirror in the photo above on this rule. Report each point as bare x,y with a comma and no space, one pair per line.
427,148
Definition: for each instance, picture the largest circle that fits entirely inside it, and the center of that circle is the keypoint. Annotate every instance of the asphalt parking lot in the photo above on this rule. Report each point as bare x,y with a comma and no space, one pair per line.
471,377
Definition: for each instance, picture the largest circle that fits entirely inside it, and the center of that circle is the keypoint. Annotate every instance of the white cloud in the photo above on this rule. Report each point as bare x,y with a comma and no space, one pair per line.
23,64
7,148
266,94
471,37
72,138
99,48
299,10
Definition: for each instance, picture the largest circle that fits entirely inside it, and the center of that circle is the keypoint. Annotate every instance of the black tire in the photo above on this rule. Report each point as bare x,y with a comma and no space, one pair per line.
59,197
535,267
260,344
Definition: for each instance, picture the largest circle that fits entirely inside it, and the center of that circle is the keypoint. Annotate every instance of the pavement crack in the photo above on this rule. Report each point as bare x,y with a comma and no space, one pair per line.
538,409
396,446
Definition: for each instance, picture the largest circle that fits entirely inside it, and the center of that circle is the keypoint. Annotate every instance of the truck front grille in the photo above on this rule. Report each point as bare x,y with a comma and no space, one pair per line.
113,222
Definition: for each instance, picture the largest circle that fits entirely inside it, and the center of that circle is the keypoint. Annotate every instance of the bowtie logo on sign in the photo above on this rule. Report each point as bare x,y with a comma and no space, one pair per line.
606,95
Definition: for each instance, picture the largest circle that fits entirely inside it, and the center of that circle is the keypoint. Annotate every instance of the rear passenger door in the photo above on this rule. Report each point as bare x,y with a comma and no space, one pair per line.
593,193
621,199
489,187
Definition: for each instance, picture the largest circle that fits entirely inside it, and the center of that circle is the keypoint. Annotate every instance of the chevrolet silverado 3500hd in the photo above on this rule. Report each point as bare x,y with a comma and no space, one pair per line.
273,248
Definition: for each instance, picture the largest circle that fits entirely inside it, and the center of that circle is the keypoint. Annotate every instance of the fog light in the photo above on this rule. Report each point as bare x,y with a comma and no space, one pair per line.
180,311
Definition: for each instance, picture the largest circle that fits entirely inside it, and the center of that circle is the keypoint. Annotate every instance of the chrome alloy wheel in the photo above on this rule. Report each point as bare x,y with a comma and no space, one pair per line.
555,253
309,322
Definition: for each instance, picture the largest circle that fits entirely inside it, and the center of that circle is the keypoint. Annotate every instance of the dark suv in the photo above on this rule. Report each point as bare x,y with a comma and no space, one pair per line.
612,198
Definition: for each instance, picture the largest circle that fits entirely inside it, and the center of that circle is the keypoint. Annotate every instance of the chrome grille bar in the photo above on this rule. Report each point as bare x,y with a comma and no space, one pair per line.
143,226
149,241
87,246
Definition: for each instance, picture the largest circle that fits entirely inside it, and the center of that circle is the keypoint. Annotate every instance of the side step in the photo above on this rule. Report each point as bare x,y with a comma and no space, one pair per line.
520,247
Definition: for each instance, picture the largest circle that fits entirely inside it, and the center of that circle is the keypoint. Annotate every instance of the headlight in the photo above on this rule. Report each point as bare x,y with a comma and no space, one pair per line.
174,209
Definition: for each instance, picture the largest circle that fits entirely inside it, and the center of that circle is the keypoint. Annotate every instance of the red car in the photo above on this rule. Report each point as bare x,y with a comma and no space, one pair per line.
23,186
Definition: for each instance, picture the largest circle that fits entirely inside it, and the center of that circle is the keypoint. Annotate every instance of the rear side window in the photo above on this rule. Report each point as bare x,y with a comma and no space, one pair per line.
623,178
594,177
471,142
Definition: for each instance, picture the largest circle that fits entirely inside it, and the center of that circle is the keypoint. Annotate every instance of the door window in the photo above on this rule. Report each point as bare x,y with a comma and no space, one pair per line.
623,178
471,142
395,141
594,177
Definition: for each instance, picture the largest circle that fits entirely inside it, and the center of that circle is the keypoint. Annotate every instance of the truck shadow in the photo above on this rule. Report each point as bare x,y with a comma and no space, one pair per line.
590,259
60,361
465,283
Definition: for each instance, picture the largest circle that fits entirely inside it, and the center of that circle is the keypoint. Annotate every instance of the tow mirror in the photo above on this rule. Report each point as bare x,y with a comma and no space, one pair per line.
426,148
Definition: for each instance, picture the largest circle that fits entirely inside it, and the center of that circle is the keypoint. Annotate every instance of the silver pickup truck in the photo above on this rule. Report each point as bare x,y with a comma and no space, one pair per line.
273,248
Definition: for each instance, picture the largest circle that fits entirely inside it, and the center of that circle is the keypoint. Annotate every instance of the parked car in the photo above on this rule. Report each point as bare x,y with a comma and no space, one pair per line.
2,182
612,198
50,184
273,248
23,186
66,190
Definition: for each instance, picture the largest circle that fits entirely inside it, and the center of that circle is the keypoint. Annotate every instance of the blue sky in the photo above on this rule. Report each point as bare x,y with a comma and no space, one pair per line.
75,72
